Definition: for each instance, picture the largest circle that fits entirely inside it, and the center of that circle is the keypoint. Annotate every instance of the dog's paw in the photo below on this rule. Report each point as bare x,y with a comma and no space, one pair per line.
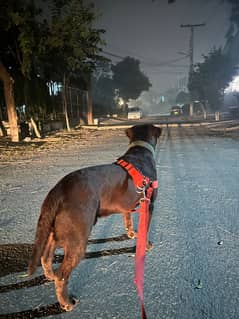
149,246
71,305
50,277
131,234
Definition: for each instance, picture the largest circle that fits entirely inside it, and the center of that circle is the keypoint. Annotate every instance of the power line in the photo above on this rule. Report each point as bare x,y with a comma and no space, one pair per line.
167,72
113,55
152,64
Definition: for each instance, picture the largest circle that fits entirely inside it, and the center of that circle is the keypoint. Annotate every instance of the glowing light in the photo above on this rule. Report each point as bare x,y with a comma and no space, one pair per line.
121,101
233,86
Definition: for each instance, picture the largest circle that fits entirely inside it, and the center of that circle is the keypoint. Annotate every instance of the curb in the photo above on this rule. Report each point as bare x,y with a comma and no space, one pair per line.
114,127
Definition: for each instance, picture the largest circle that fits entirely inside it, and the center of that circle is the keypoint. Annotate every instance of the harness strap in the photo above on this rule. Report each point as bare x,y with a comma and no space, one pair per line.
140,181
144,184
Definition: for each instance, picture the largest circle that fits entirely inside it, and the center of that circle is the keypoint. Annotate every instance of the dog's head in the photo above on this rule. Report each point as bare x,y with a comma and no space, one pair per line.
146,132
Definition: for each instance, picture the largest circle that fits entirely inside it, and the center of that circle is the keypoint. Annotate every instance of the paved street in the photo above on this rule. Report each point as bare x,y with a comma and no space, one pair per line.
193,270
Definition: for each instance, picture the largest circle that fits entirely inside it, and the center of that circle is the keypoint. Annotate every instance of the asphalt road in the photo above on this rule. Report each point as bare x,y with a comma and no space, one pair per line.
193,270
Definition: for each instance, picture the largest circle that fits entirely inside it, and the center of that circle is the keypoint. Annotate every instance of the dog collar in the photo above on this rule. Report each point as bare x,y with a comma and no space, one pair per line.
144,144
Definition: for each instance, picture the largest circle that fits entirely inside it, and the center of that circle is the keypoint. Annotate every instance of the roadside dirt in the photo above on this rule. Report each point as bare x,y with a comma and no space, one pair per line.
56,141
83,138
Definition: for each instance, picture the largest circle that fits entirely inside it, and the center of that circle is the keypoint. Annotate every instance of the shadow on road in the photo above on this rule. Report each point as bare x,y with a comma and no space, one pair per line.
43,311
14,258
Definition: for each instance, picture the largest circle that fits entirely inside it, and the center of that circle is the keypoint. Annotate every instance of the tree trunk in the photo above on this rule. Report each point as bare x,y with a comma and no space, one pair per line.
65,105
89,103
10,102
34,126
2,129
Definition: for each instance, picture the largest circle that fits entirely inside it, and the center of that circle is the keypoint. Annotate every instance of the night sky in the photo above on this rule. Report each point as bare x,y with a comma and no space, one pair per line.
150,31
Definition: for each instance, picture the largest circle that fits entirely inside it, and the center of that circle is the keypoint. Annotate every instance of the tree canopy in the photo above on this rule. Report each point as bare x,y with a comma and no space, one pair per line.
36,43
210,78
129,79
122,80
39,46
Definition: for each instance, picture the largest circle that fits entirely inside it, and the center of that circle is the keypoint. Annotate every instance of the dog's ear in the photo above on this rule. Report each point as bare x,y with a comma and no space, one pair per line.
158,131
129,133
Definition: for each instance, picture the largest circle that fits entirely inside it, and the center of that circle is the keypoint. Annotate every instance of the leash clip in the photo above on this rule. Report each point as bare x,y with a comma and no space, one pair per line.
140,189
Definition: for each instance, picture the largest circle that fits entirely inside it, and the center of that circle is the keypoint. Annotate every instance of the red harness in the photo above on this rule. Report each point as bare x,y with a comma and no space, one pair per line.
145,186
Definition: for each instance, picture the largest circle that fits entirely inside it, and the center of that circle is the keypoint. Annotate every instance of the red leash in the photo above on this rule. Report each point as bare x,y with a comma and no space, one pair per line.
140,252
141,182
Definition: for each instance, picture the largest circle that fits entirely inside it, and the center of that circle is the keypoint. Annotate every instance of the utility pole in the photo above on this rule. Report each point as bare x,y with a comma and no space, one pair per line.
191,51
191,41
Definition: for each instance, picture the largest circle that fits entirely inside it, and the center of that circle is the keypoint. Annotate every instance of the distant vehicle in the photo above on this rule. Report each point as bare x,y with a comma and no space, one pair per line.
135,113
176,111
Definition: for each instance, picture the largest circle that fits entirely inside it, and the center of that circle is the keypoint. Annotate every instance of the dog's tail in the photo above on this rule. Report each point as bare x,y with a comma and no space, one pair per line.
45,224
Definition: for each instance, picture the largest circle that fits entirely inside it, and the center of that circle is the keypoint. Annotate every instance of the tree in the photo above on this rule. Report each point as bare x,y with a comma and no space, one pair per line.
36,49
74,43
232,44
8,82
22,36
103,95
129,80
210,78
18,41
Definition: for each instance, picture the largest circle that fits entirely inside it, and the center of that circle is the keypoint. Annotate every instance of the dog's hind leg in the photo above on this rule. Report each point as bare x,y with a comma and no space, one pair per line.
72,257
46,259
72,229
129,227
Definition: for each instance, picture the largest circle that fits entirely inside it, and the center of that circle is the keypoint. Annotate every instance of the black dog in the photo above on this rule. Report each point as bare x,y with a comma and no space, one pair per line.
72,207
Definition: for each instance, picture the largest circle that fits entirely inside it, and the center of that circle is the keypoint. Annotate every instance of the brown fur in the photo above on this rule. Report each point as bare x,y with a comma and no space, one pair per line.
72,207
